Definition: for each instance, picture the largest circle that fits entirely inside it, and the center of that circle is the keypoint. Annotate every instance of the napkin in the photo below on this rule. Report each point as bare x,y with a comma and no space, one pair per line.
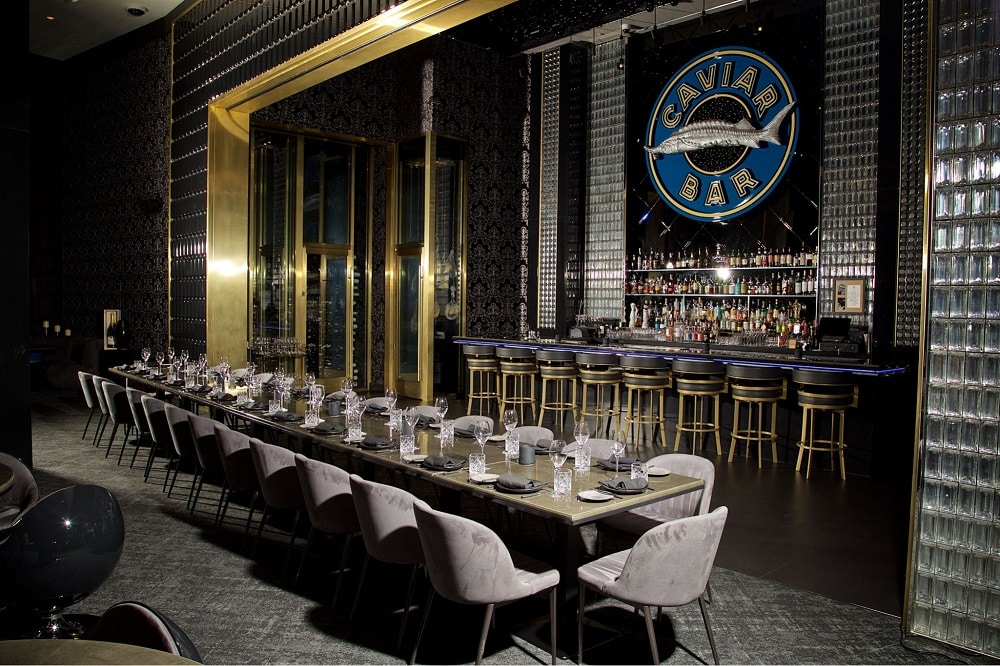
176,382
199,389
286,416
624,484
543,444
226,397
300,392
373,443
623,463
157,376
255,405
465,432
517,482
376,409
330,428
426,420
443,462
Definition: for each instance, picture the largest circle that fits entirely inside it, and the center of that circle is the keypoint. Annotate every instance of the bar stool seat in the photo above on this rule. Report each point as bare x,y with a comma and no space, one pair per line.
698,380
824,391
602,373
517,380
483,380
645,378
757,387
558,372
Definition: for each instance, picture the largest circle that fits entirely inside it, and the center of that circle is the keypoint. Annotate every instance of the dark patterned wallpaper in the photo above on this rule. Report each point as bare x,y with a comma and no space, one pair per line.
115,189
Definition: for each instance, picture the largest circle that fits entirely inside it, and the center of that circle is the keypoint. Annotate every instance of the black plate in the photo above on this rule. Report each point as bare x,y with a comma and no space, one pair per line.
518,491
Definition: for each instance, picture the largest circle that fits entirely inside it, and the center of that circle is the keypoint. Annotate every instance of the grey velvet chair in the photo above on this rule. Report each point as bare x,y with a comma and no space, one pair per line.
206,449
159,432
20,496
139,422
183,441
133,623
531,434
326,490
639,521
279,486
102,404
119,413
468,563
240,472
469,421
87,387
668,566
389,530
599,448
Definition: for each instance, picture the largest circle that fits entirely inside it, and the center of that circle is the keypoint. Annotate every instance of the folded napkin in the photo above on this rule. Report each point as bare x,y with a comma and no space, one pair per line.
154,375
226,397
465,432
286,416
623,484
302,392
125,366
543,444
426,420
255,405
176,382
443,462
372,443
330,428
376,409
517,482
199,389
623,463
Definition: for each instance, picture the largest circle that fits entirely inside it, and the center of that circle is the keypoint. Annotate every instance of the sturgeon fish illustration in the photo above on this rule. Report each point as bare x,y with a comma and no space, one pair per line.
708,133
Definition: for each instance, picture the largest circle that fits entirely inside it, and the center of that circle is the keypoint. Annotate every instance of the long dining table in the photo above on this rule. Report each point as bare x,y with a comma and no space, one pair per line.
565,515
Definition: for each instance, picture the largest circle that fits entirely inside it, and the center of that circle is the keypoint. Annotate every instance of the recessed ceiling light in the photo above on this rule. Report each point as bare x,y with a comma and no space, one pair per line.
136,10
50,18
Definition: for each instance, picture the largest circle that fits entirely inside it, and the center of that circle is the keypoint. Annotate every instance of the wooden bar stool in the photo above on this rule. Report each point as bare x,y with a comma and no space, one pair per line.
824,391
604,375
517,380
483,380
757,387
698,380
558,372
645,378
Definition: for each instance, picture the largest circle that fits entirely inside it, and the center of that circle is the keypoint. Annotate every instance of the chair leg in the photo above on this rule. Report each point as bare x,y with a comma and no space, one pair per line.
486,630
85,427
708,628
260,528
343,566
579,622
553,624
651,631
423,623
114,431
246,528
361,582
406,607
291,543
302,561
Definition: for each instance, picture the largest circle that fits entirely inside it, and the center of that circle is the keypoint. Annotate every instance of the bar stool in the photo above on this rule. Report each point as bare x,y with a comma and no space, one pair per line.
698,380
829,392
645,377
757,387
517,380
482,363
558,372
602,372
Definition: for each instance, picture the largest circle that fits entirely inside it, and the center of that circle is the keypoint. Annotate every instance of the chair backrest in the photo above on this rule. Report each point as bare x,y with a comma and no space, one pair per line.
531,434
180,431
61,549
466,561
156,419
206,447
426,410
133,623
670,564
379,402
87,386
19,496
276,473
135,407
237,461
326,490
688,504
102,402
385,517
469,421
599,448
117,400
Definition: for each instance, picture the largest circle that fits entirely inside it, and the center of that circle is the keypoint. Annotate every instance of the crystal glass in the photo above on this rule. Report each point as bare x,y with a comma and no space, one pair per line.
354,427
581,432
617,449
510,419
477,464
582,461
482,432
159,360
411,416
441,407
185,355
310,379
407,444
390,398
312,417
395,418
562,483
447,434
640,471
557,453
145,356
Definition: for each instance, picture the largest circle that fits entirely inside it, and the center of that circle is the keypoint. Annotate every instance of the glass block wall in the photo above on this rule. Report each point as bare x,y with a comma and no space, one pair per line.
954,581
604,226
548,223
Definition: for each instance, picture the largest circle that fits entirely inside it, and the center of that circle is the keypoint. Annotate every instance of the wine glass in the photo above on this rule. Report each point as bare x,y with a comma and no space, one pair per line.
185,355
411,416
441,407
557,453
510,419
617,449
145,356
581,432
390,398
159,361
346,387
482,431
170,355
310,379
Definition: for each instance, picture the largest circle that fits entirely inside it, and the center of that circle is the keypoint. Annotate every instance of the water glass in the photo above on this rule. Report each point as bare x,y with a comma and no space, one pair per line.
189,378
512,445
312,417
407,444
582,458
274,406
640,471
562,483
447,434
354,426
395,418
477,464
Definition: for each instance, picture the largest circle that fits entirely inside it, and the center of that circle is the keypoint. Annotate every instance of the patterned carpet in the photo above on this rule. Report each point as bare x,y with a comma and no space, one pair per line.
238,607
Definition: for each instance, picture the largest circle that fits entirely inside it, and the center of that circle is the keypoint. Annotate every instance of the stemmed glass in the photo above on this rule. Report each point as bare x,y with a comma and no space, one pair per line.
441,407
159,361
482,431
581,432
617,449
510,419
310,379
185,355
390,398
170,355
145,356
411,416
557,453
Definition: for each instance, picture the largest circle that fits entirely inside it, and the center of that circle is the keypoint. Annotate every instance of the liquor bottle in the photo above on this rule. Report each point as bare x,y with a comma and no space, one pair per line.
111,342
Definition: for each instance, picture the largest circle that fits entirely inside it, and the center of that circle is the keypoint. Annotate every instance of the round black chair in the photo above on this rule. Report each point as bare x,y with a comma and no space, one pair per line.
59,551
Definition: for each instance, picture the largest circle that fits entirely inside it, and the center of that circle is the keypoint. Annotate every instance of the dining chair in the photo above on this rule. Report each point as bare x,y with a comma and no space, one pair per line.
141,432
599,448
183,441
668,566
134,623
279,486
159,433
87,387
102,404
206,449
389,531
119,413
239,470
469,564
19,496
469,421
326,490
531,434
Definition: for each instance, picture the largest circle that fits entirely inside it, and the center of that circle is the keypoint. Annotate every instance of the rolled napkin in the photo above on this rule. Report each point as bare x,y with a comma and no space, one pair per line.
442,463
372,443
543,444
330,428
288,417
226,397
623,463
624,485
465,432
517,482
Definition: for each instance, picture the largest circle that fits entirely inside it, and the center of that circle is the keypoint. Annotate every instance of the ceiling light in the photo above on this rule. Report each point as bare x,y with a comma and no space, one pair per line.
136,10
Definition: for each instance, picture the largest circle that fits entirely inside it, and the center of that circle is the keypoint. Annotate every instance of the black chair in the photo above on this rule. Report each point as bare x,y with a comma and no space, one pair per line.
59,551
133,623
19,496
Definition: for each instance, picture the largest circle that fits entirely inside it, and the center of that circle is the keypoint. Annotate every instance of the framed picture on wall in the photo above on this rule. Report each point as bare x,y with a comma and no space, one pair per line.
111,318
849,296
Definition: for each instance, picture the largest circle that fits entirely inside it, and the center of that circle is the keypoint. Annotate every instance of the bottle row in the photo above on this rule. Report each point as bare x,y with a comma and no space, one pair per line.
788,283
721,257
697,319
